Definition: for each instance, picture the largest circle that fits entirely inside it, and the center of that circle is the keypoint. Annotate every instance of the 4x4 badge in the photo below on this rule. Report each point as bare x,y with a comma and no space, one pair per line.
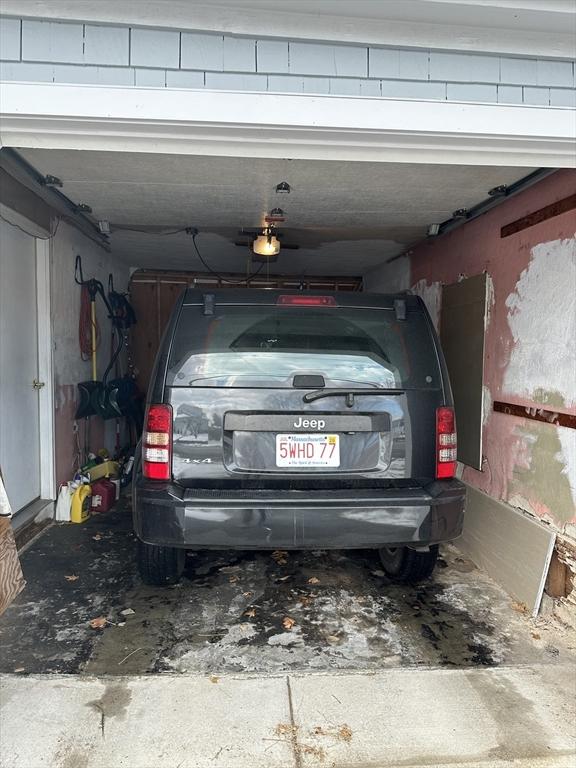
197,461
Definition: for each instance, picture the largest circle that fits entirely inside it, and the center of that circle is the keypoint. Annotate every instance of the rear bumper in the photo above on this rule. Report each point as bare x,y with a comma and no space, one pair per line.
167,514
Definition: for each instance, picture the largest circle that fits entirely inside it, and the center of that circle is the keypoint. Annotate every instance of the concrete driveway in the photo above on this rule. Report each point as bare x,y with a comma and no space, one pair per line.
275,660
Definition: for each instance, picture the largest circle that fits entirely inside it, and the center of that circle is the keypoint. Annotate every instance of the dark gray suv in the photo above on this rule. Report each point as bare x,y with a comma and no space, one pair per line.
297,421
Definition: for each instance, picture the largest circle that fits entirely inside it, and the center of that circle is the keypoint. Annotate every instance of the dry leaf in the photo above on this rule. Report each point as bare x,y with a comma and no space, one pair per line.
332,639
535,635
19,669
97,537
520,607
288,623
127,612
345,733
214,679
308,749
71,578
233,579
313,580
305,600
280,556
98,623
247,594
251,612
283,578
285,729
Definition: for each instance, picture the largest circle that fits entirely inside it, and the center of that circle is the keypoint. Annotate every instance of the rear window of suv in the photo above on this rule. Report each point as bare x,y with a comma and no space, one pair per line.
265,346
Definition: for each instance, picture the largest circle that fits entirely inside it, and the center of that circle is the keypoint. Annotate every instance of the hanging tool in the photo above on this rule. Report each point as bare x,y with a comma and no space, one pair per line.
87,390
117,395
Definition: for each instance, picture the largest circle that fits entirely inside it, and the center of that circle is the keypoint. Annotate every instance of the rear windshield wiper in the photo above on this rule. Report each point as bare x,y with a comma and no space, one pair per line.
349,394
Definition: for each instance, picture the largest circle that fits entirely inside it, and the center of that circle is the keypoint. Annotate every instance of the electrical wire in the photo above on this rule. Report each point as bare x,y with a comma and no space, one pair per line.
31,234
221,277
145,230
148,231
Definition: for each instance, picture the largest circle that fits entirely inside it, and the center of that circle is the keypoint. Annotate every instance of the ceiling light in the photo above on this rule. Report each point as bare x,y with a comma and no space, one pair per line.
433,230
283,188
266,244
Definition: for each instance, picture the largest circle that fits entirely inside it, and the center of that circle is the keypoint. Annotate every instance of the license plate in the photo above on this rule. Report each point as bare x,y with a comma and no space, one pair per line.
307,450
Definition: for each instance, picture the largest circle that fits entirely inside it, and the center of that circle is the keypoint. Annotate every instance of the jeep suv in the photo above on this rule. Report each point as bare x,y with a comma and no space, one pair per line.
297,421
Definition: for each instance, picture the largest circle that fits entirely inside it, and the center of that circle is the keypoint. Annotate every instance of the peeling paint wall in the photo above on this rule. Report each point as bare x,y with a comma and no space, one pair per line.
69,368
542,319
530,356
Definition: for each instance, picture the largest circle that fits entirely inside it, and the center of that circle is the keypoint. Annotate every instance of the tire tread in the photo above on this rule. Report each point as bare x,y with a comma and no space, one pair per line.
416,566
159,566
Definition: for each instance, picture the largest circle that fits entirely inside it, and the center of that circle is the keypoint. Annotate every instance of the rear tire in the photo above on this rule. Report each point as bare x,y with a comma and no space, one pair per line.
406,565
160,566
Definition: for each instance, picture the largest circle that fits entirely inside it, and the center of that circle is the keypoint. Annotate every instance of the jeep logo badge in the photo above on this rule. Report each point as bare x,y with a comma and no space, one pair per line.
309,423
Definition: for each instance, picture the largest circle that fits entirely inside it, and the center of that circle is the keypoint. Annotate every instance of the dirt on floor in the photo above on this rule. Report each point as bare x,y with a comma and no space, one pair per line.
86,611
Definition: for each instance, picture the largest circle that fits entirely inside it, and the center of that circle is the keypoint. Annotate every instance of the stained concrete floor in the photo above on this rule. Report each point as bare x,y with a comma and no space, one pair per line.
251,612
276,660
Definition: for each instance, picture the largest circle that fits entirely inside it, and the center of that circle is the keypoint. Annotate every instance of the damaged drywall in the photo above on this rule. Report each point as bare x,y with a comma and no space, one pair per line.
530,349
542,480
529,356
542,318
541,315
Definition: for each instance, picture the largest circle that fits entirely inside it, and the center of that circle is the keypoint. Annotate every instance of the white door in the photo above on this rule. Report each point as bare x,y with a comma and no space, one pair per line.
19,399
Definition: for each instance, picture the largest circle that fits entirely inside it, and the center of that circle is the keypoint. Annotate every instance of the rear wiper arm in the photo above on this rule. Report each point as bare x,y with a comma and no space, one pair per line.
309,397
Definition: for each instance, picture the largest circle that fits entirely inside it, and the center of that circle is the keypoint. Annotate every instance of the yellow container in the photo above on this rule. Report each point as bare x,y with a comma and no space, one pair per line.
80,507
106,469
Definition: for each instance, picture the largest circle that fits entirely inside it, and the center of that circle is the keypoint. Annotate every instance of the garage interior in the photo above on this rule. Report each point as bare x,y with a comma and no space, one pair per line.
437,230
455,234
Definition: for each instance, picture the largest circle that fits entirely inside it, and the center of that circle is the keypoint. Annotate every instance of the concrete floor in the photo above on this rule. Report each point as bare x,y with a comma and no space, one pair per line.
258,660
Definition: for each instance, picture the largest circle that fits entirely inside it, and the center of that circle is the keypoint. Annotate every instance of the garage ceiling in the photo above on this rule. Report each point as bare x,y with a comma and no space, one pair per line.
347,217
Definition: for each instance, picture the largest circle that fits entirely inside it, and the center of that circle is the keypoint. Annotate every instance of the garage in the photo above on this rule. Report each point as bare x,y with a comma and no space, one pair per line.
169,182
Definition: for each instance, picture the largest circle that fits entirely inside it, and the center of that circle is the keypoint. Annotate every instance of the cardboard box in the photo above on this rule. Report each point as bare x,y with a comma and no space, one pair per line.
106,469
11,578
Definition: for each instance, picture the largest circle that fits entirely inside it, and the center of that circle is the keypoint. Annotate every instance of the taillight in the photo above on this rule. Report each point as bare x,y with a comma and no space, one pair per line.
303,300
445,442
157,443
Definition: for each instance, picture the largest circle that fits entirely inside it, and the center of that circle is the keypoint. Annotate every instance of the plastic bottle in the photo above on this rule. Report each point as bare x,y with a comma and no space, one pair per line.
80,507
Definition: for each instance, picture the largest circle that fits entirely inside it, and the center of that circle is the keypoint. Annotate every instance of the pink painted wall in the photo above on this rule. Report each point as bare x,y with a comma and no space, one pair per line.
528,464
